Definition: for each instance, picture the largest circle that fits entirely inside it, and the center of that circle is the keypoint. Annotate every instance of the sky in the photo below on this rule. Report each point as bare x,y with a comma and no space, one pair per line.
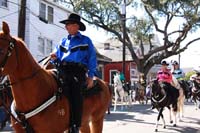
97,35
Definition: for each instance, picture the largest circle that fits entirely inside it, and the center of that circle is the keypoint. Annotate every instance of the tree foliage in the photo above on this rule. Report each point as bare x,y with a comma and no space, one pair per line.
188,75
106,14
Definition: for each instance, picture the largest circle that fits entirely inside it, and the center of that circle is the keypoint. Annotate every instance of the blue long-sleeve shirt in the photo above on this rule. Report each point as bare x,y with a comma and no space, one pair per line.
78,49
178,73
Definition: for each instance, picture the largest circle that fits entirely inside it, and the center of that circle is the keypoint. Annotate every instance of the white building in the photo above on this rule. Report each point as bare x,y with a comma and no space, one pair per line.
43,30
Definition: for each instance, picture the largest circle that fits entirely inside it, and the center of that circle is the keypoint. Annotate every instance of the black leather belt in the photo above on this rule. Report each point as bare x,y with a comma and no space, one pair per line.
74,65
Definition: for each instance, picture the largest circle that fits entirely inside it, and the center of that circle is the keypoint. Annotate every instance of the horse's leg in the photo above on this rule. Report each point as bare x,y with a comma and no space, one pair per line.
143,97
97,125
182,107
108,109
180,104
175,120
170,114
199,104
116,97
129,99
195,102
85,128
158,118
164,124
122,97
174,110
126,99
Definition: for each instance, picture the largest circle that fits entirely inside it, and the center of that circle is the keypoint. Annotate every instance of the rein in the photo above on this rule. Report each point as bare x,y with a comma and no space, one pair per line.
160,100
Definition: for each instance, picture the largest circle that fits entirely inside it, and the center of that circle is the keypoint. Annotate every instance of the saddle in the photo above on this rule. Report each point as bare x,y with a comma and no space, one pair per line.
92,91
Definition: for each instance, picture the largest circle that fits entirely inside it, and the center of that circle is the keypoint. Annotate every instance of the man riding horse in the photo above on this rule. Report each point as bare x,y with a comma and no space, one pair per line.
77,57
195,78
178,73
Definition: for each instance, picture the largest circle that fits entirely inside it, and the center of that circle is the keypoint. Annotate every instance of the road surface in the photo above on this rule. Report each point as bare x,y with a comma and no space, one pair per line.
141,119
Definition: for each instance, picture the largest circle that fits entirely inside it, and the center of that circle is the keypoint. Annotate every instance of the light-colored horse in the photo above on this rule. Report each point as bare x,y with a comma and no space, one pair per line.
181,97
120,93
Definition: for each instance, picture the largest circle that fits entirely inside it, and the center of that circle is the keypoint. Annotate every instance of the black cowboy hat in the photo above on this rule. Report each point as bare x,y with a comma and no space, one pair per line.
74,18
164,63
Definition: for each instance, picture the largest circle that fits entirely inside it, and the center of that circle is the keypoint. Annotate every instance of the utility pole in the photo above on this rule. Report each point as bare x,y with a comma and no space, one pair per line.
22,20
123,13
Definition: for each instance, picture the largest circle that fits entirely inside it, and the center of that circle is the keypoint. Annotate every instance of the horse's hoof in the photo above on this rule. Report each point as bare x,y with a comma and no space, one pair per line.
164,127
174,125
156,130
171,121
108,112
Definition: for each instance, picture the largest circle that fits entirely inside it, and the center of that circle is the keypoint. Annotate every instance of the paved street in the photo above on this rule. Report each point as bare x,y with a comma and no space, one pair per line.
140,119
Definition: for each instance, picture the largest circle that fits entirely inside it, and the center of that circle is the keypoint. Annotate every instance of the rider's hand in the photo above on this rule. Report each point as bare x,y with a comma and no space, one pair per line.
89,82
53,56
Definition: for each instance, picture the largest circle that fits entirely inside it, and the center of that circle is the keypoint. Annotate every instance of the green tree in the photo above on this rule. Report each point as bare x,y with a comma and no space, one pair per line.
188,75
106,14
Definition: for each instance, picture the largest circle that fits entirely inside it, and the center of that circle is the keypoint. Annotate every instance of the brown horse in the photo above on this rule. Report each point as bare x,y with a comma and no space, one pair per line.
35,106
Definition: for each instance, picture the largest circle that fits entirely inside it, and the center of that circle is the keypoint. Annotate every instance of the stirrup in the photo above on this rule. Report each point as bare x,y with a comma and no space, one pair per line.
73,129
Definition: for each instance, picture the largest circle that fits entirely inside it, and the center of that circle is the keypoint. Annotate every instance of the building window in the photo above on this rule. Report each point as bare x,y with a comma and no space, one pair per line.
50,14
42,12
41,45
45,46
49,46
4,3
46,13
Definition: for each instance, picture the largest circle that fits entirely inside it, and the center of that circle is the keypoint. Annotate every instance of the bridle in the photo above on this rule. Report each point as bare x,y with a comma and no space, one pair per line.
157,99
21,117
9,52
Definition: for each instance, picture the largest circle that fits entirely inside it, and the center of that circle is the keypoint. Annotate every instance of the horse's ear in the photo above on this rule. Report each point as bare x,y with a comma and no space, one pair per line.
5,28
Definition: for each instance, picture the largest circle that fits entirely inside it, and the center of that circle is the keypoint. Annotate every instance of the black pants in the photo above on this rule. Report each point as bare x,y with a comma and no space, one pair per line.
74,76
